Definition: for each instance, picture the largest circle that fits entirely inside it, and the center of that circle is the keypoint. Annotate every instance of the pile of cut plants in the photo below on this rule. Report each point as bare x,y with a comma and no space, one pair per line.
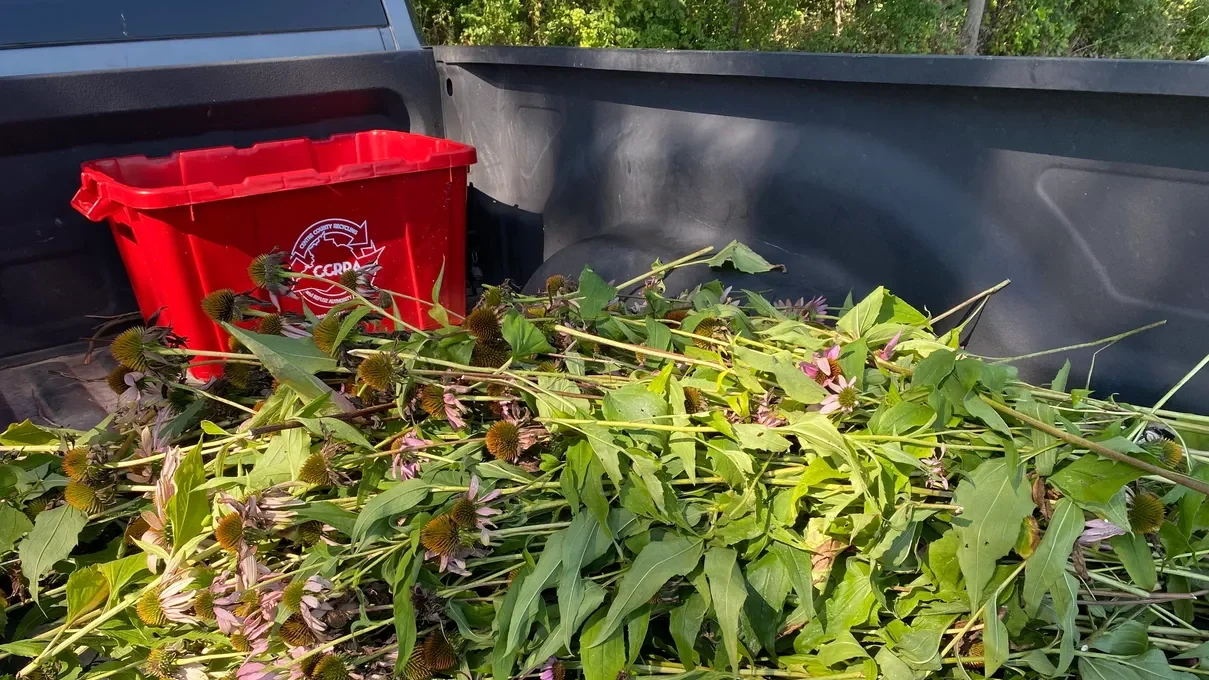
601,481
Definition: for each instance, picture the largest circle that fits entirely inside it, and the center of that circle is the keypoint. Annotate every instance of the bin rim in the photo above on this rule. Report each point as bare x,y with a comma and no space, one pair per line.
101,194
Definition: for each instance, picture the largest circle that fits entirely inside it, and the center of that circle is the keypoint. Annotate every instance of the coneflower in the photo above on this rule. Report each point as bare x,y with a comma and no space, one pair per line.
220,305
130,348
310,532
416,667
295,633
161,663
203,604
976,652
438,653
317,470
240,642
483,325
149,609
348,279
116,380
82,497
558,284
229,532
825,367
1146,513
330,667
1166,450
378,371
677,315
432,400
325,332
504,441
694,401
490,353
553,670
268,272
497,390
844,398
491,297
708,328
237,375
270,324
179,400
441,536
77,464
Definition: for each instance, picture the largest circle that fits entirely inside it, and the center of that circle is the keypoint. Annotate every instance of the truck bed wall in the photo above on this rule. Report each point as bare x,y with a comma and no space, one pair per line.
1085,182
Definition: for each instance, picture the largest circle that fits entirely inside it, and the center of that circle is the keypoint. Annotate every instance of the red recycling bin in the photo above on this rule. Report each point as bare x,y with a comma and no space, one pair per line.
190,223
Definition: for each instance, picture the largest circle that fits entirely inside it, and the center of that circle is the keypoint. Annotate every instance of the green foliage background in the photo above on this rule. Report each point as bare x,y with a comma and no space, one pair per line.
1148,29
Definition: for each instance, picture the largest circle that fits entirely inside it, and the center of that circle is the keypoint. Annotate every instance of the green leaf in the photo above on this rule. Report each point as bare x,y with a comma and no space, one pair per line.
983,411
26,648
594,595
119,572
728,591
293,361
606,450
842,648
1134,553
13,525
86,590
1059,383
348,323
188,507
636,404
1128,639
636,630
660,560
438,312
797,385
579,549
524,338
901,418
994,639
1066,594
594,293
760,438
769,584
1094,479
25,433
993,504
53,537
852,601
762,306
863,315
1105,669
798,569
657,335
543,576
605,658
742,258
283,458
934,368
1049,561
329,513
892,667
685,625
501,662
683,445
404,609
396,500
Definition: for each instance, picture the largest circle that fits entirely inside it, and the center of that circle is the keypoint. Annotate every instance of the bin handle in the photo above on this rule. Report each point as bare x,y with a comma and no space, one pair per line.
89,202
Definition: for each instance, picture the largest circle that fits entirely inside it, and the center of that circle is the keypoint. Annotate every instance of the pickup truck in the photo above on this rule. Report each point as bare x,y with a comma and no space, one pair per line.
1084,182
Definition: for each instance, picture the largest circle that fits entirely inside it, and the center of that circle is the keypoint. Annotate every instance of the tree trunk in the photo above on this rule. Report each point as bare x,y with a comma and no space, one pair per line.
969,30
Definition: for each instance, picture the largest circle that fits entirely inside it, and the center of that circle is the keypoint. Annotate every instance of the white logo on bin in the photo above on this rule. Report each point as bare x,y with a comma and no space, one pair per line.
328,248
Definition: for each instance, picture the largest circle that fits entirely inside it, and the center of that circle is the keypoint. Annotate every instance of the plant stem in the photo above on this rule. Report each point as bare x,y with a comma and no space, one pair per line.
1182,480
962,305
665,267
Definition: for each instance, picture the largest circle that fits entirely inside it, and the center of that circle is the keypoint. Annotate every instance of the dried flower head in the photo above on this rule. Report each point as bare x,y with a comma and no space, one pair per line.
1168,451
438,653
379,371
694,401
203,604
677,315
329,667
483,325
441,536
709,327
268,272
130,348
295,632
82,497
416,667
220,305
504,441
326,331
229,532
271,324
432,400
317,470
116,380
490,353
310,532
1146,513
78,464
161,662
976,652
